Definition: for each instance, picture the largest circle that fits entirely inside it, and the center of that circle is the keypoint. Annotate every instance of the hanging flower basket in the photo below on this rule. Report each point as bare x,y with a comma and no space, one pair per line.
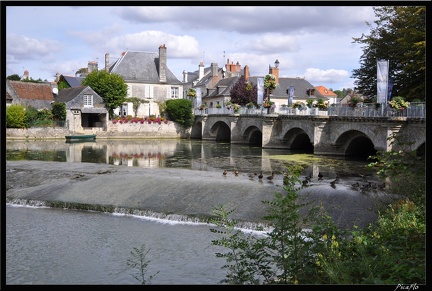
270,81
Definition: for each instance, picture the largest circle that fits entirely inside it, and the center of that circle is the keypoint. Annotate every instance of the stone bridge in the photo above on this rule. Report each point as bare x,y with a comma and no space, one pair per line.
322,135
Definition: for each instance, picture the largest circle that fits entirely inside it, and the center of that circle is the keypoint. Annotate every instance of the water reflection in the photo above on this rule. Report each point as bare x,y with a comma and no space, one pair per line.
186,154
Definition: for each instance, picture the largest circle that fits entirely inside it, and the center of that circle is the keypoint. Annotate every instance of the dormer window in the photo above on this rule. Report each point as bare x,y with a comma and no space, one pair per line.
88,100
310,92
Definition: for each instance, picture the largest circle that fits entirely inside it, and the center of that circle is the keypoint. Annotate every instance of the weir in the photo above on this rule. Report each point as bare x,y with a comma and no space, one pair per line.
176,192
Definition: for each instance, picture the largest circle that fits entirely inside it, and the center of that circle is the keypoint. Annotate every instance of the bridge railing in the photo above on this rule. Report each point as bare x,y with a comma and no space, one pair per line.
416,109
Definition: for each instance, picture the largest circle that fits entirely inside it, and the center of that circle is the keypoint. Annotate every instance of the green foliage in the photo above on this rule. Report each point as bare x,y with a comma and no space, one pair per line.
285,255
111,87
140,263
398,102
13,77
388,252
62,84
399,35
31,116
15,116
180,111
59,111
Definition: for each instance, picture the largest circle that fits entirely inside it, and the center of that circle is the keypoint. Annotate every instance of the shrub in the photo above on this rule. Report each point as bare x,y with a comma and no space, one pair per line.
15,116
59,111
180,111
31,116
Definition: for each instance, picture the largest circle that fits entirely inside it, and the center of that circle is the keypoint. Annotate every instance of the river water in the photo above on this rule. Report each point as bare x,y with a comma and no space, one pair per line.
60,246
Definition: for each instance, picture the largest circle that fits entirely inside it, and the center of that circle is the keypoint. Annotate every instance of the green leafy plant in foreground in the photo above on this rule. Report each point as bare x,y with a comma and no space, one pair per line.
140,263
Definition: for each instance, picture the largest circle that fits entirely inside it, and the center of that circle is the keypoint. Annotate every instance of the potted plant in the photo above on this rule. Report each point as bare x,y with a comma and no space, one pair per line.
202,107
321,104
191,93
250,105
398,103
218,106
310,102
298,105
236,107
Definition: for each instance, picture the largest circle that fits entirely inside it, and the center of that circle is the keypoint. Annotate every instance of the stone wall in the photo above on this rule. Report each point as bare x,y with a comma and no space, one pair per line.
118,130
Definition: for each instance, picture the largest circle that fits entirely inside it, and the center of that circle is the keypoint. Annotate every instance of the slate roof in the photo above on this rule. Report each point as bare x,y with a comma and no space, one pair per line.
225,87
68,94
301,87
32,91
141,67
73,81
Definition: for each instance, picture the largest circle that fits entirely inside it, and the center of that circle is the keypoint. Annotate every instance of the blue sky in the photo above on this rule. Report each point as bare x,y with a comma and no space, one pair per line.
311,42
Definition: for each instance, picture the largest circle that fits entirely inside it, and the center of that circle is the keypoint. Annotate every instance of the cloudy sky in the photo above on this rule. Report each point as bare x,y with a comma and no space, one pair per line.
311,42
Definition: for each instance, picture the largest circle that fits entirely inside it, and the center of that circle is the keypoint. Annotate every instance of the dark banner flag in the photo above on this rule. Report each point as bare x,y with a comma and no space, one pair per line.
291,95
390,88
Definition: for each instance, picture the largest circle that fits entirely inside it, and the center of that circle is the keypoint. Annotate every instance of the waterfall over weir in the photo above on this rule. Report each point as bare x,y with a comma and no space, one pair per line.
172,194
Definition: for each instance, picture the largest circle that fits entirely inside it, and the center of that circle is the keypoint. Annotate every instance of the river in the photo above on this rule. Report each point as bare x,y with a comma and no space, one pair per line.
64,247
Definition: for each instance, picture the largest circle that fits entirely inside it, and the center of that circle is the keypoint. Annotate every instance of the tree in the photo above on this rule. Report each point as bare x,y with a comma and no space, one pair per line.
399,36
180,111
111,87
243,92
13,77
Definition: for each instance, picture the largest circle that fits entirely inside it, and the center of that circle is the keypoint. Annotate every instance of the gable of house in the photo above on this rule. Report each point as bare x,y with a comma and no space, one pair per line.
83,98
37,95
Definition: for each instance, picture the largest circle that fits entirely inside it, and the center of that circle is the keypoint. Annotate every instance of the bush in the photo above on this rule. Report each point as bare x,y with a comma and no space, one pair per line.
180,111
31,116
59,111
16,116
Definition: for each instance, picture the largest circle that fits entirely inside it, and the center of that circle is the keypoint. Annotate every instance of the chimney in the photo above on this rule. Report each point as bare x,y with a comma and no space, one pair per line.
246,73
57,77
274,71
92,66
214,73
185,76
162,63
107,62
201,71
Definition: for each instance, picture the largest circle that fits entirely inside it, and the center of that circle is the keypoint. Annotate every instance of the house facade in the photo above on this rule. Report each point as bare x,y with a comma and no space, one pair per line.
329,94
85,109
213,86
148,78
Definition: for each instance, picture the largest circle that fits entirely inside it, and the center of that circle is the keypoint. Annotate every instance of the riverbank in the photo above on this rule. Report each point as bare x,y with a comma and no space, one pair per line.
111,131
166,191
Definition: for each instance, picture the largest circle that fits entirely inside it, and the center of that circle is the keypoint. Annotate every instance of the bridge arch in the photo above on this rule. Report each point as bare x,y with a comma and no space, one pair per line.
297,139
196,131
221,131
355,143
253,135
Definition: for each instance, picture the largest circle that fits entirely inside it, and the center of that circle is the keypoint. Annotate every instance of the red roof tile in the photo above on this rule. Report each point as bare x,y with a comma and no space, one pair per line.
35,91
